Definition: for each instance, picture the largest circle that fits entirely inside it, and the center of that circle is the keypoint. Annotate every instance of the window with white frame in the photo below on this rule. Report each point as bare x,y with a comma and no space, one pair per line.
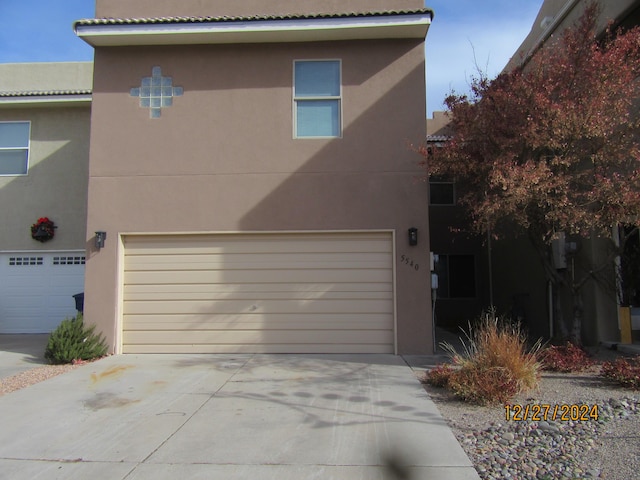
317,98
14,148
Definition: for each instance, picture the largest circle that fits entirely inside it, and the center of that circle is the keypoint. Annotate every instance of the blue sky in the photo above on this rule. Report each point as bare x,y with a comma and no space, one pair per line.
41,30
464,33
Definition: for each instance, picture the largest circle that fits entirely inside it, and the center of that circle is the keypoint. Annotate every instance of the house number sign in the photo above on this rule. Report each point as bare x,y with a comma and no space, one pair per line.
409,262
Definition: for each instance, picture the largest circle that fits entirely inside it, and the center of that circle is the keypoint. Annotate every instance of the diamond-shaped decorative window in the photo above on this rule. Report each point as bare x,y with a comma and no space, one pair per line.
156,92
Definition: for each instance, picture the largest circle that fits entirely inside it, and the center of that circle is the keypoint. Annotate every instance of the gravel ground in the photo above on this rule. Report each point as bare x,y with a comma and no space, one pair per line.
607,448
31,376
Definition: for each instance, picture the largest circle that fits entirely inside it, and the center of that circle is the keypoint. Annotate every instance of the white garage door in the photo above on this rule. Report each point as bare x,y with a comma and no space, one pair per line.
36,290
261,293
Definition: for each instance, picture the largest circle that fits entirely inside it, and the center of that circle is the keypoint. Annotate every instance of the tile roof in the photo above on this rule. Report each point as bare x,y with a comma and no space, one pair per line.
255,18
44,93
438,138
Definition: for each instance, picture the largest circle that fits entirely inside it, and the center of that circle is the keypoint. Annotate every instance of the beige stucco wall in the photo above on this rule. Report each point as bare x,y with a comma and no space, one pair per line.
46,76
167,8
222,158
439,124
56,183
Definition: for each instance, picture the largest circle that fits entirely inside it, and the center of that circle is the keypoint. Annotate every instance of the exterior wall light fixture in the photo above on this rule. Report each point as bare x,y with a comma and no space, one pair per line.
100,238
413,236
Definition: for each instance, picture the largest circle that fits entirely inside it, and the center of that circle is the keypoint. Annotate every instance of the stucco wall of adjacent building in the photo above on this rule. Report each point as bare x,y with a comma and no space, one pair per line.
600,322
56,183
46,76
557,15
223,157
167,8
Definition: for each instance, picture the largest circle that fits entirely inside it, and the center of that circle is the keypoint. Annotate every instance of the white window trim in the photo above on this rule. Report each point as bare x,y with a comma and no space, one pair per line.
28,148
295,99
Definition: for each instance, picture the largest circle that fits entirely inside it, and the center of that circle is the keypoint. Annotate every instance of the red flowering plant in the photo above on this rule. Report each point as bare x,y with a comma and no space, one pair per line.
43,229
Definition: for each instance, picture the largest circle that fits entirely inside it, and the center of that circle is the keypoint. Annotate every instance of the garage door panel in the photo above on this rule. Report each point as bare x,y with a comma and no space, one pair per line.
255,288
257,307
36,290
256,337
232,260
201,244
178,265
259,348
257,322
49,289
234,276
241,295
259,293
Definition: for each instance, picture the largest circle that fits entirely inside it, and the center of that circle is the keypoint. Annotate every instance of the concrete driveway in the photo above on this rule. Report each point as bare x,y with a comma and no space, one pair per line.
21,352
229,417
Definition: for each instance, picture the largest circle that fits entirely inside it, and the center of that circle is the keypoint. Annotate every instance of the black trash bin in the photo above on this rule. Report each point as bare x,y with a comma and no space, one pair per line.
79,298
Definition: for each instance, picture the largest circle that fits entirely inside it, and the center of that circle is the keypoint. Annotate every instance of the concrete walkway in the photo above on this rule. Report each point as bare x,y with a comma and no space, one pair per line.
21,352
229,417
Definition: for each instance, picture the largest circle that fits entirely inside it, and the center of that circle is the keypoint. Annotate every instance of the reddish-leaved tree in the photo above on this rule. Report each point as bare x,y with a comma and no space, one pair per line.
552,146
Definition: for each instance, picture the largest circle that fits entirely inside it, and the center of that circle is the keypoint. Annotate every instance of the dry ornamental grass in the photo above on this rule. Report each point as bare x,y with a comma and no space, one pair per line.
495,363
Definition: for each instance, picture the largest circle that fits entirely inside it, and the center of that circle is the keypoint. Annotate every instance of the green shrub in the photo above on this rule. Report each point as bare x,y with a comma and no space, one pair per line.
625,372
71,341
495,364
565,358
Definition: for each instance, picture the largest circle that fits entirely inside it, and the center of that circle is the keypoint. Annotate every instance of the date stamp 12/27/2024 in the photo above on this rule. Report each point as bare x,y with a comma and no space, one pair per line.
561,412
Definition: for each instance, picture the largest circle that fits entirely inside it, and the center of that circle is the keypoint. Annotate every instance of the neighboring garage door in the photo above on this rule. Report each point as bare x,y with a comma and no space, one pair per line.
261,293
36,290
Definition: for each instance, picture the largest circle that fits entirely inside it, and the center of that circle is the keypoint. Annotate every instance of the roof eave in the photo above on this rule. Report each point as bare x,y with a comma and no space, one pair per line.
44,100
265,31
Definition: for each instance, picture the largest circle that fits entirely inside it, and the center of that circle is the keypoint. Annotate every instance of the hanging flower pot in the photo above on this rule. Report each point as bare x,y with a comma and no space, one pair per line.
43,230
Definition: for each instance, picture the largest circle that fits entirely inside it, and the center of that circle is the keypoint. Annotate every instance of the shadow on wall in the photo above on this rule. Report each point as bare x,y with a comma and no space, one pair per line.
368,179
364,180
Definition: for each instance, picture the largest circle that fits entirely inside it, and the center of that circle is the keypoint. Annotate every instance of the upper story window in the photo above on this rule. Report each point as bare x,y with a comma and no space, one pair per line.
317,98
14,148
441,191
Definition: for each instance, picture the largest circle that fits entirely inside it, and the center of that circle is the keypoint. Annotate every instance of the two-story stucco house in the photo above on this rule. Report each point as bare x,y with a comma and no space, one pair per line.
44,152
251,179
